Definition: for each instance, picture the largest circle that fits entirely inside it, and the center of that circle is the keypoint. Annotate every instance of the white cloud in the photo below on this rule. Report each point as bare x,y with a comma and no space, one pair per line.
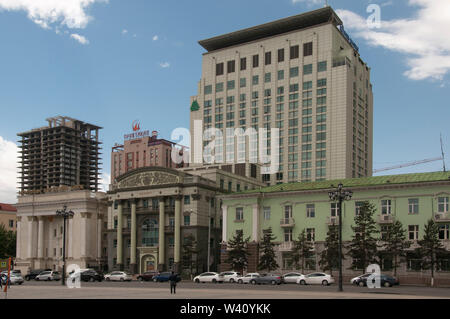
124,31
79,38
105,180
155,38
423,38
8,171
69,13
164,65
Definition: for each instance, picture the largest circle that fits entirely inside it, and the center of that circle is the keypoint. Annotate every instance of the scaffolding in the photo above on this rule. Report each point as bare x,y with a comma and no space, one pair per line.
64,153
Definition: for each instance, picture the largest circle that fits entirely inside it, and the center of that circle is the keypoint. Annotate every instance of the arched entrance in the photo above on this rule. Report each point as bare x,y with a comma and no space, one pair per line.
148,263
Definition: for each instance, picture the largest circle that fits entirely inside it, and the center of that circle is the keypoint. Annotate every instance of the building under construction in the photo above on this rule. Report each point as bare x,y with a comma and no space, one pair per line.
64,153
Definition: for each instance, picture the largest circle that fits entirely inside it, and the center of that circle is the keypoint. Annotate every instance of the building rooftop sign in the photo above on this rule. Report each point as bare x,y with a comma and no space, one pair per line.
137,133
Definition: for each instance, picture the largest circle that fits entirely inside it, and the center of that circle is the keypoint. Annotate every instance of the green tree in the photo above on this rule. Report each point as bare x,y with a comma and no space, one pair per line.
430,247
190,253
363,247
329,258
237,253
303,249
395,244
267,260
7,242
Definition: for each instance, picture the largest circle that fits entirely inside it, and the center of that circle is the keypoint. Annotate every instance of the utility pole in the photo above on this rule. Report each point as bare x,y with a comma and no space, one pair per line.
209,232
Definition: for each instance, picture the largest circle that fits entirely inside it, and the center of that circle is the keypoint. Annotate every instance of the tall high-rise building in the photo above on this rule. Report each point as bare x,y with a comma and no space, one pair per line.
64,153
302,74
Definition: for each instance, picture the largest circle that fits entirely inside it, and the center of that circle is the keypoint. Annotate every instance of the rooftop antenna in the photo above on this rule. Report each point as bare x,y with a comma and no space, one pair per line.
443,156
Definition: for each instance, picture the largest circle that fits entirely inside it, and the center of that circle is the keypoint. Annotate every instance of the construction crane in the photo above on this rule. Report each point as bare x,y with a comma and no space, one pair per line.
409,164
416,162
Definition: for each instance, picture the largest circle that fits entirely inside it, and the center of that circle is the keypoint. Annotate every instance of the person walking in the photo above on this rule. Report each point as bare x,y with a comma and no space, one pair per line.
173,283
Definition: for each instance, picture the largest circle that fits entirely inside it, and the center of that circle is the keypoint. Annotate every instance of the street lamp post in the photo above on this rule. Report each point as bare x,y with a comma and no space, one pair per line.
340,195
65,214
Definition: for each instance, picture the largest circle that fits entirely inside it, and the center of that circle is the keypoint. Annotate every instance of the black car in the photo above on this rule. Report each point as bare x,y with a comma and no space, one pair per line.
33,274
147,276
385,281
91,275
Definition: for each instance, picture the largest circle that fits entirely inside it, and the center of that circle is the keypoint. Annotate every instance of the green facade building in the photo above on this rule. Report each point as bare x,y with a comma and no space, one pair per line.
290,208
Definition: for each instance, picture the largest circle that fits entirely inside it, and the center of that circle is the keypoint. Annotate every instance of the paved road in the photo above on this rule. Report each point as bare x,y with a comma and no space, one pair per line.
189,290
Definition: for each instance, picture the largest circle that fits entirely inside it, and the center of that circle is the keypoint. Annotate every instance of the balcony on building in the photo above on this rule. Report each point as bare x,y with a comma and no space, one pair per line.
287,222
386,219
442,217
332,220
286,246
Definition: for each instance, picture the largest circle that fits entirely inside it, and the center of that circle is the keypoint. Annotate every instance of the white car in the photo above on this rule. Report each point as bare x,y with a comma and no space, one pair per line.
49,276
246,279
230,276
118,276
209,277
16,279
315,278
291,277
355,280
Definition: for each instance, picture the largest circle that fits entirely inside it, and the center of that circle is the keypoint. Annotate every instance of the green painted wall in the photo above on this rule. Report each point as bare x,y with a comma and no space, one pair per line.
427,196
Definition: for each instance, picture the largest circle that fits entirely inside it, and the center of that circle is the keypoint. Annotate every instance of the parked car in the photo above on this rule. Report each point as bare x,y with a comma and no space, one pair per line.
33,273
49,276
12,272
291,277
272,279
246,279
209,277
146,276
385,281
16,279
118,276
316,278
164,276
354,281
91,275
230,276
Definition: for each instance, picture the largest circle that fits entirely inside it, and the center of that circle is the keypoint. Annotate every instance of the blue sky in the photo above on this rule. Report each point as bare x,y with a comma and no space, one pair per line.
139,59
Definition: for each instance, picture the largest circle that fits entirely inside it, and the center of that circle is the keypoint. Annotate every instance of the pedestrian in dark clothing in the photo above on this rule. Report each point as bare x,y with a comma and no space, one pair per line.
173,283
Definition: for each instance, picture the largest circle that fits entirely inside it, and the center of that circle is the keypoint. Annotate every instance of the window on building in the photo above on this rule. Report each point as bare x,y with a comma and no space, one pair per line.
150,232
386,207
321,82
293,72
208,89
334,209
243,82
187,220
310,211
307,49
307,69
322,66
288,235
444,232
384,230
115,243
266,213
267,77
230,66
239,213
243,64
310,234
219,87
187,199
230,186
442,204
358,206
255,60
413,232
413,205
294,52
11,223
268,58
219,69
280,55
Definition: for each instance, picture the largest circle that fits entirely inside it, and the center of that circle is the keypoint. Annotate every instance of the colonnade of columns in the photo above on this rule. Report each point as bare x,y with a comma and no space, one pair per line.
161,235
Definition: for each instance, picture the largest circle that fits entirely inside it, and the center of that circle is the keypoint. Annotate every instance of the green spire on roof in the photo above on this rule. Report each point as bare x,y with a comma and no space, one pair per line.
195,106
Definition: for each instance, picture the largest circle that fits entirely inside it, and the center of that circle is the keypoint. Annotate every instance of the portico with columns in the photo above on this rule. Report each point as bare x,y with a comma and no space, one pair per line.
151,210
40,231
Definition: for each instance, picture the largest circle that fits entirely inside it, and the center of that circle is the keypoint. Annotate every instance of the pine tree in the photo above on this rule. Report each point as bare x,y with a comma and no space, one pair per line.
238,254
267,259
429,247
329,258
395,244
189,252
302,250
363,247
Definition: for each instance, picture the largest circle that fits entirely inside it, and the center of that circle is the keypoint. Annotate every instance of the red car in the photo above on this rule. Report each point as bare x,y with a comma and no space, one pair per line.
147,276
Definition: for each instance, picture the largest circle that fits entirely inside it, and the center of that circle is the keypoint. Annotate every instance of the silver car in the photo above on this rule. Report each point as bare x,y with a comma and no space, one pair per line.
291,277
49,276
16,279
118,276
